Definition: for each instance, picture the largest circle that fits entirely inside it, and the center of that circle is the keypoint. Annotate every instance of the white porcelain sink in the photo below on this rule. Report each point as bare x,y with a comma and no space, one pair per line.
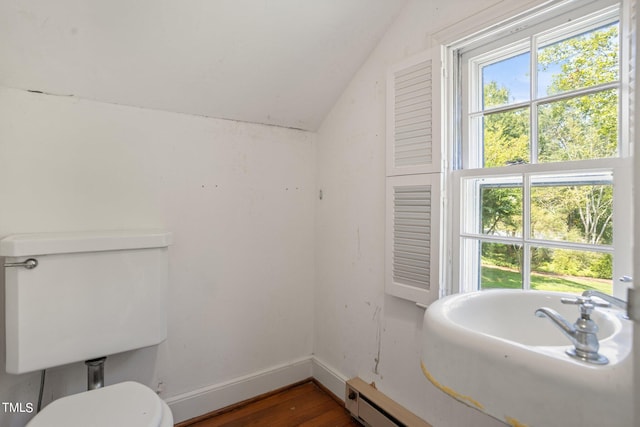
489,350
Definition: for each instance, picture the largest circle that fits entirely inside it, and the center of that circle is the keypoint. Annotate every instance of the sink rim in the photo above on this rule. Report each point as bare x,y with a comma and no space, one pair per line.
451,310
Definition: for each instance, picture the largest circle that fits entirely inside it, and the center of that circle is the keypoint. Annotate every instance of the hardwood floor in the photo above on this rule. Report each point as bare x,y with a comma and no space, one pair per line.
305,405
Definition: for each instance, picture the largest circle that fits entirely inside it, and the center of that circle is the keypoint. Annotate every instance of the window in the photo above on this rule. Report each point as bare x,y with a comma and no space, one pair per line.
542,168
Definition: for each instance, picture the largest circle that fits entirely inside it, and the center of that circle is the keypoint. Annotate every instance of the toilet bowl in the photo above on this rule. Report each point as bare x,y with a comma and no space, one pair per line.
127,404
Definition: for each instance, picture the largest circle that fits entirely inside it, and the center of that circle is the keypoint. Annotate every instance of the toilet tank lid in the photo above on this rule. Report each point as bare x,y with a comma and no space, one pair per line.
85,241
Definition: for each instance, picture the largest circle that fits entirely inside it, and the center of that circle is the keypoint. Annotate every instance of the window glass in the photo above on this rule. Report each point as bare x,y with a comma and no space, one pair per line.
570,270
584,60
506,138
501,266
501,210
573,208
584,127
506,81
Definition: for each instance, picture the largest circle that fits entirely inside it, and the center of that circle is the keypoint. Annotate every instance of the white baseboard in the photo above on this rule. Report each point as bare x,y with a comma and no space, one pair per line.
207,399
329,377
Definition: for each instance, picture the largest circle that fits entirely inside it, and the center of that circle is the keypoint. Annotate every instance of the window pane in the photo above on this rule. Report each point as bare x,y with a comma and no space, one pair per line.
492,205
506,138
501,210
506,82
501,266
573,208
584,127
566,270
584,60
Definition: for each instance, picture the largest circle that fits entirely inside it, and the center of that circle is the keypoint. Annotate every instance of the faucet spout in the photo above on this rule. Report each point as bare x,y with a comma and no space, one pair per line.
567,328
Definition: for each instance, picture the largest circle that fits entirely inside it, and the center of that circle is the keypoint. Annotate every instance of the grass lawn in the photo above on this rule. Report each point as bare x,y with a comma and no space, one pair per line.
497,277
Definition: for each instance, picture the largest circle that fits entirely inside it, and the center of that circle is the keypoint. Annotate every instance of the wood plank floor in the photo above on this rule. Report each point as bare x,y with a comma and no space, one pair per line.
305,405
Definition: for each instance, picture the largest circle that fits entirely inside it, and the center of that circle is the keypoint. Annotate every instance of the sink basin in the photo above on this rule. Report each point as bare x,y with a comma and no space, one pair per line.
488,350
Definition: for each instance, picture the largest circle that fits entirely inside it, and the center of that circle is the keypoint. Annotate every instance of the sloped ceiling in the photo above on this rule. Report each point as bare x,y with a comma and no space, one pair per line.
279,62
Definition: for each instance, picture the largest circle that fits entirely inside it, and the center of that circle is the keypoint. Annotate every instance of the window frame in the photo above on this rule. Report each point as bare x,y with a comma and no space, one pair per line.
514,37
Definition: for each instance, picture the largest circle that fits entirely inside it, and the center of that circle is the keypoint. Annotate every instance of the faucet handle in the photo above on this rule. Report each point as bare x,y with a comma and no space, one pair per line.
580,300
586,303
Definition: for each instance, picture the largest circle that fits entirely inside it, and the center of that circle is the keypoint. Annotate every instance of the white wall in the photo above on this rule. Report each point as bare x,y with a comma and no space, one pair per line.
358,329
238,197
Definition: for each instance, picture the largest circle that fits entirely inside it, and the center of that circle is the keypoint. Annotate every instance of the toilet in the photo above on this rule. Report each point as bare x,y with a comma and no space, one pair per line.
73,297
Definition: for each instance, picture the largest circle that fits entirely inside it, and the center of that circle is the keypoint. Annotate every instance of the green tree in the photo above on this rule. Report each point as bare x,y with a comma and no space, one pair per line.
506,134
582,127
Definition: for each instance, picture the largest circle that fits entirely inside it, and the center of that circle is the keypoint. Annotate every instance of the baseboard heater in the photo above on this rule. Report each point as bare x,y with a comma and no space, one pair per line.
374,409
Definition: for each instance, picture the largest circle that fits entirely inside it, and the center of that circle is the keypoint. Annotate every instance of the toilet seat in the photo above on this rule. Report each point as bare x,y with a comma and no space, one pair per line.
127,404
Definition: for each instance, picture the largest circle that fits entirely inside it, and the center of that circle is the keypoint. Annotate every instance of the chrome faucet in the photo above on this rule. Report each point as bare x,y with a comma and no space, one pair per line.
617,302
582,334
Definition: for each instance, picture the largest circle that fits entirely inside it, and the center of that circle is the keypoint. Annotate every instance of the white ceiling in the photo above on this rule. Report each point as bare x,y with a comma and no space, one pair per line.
280,62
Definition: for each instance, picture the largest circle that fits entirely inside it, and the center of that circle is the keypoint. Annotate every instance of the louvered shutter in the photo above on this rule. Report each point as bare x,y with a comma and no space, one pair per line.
413,115
414,180
413,237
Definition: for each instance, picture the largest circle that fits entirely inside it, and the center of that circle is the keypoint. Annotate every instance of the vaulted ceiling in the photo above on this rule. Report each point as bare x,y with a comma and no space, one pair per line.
279,62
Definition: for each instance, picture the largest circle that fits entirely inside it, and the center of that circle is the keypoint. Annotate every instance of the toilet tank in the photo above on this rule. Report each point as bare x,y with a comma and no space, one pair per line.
92,294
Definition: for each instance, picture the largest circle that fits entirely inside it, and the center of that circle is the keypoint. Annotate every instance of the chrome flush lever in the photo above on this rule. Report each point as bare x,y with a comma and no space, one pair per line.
29,264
